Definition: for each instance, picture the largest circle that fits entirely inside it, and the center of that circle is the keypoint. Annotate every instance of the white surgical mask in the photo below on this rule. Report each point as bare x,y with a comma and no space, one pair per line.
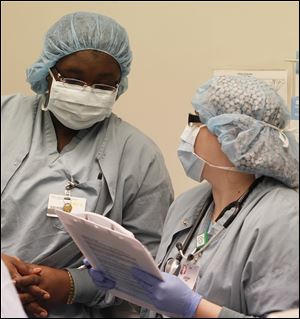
192,163
79,108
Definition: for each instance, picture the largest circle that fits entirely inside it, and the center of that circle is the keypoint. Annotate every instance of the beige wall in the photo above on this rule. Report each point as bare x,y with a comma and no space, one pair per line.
175,45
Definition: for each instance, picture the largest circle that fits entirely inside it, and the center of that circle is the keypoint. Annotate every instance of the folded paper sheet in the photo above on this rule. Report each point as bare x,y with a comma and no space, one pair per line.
111,248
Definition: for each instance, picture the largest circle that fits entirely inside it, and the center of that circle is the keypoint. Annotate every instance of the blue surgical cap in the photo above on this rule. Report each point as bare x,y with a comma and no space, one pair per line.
76,32
249,118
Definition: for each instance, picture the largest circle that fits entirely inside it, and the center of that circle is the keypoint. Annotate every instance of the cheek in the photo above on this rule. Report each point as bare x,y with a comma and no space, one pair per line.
207,145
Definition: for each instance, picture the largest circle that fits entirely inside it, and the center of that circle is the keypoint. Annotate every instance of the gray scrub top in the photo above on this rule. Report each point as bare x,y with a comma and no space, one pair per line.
120,171
252,267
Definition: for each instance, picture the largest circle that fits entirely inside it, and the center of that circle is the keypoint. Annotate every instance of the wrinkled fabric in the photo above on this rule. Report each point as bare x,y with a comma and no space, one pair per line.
252,267
249,119
76,32
120,171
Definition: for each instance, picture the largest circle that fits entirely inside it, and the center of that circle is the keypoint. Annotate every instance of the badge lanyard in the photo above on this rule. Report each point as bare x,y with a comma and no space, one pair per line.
67,198
66,202
189,269
173,265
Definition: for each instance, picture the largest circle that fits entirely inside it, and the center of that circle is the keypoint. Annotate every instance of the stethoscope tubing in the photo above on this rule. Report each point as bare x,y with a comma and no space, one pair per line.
238,206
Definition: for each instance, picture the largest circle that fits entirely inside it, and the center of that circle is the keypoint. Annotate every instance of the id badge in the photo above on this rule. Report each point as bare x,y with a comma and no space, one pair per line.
188,273
202,240
68,204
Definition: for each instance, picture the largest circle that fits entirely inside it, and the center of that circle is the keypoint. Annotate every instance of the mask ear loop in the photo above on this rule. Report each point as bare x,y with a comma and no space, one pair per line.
45,98
226,168
282,136
284,139
53,78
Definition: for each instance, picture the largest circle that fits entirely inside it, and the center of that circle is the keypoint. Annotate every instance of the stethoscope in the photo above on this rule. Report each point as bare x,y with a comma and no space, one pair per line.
173,265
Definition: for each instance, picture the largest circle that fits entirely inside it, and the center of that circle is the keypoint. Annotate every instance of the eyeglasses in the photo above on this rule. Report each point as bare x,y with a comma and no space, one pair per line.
70,82
193,119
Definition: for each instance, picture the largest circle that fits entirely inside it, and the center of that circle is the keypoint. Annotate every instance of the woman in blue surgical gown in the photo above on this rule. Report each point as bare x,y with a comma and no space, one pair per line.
65,148
236,235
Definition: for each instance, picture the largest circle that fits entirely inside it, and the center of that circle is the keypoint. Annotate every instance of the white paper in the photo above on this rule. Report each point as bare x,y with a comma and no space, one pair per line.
292,313
111,248
11,306
57,202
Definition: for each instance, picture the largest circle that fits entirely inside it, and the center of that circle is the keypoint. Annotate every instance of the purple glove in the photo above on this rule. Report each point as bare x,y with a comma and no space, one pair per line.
171,295
99,278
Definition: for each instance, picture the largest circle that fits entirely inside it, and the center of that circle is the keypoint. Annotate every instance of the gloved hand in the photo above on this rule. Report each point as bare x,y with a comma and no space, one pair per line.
171,295
99,277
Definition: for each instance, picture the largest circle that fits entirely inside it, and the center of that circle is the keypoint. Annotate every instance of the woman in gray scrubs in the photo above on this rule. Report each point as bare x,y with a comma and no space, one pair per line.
230,245
64,148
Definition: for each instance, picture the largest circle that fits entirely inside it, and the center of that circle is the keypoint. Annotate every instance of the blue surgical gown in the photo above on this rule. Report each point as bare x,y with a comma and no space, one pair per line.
120,171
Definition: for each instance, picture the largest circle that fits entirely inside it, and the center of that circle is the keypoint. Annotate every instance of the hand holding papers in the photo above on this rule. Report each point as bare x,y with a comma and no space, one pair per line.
112,249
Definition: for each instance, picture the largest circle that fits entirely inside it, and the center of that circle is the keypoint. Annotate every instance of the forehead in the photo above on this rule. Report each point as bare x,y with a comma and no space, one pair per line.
90,61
